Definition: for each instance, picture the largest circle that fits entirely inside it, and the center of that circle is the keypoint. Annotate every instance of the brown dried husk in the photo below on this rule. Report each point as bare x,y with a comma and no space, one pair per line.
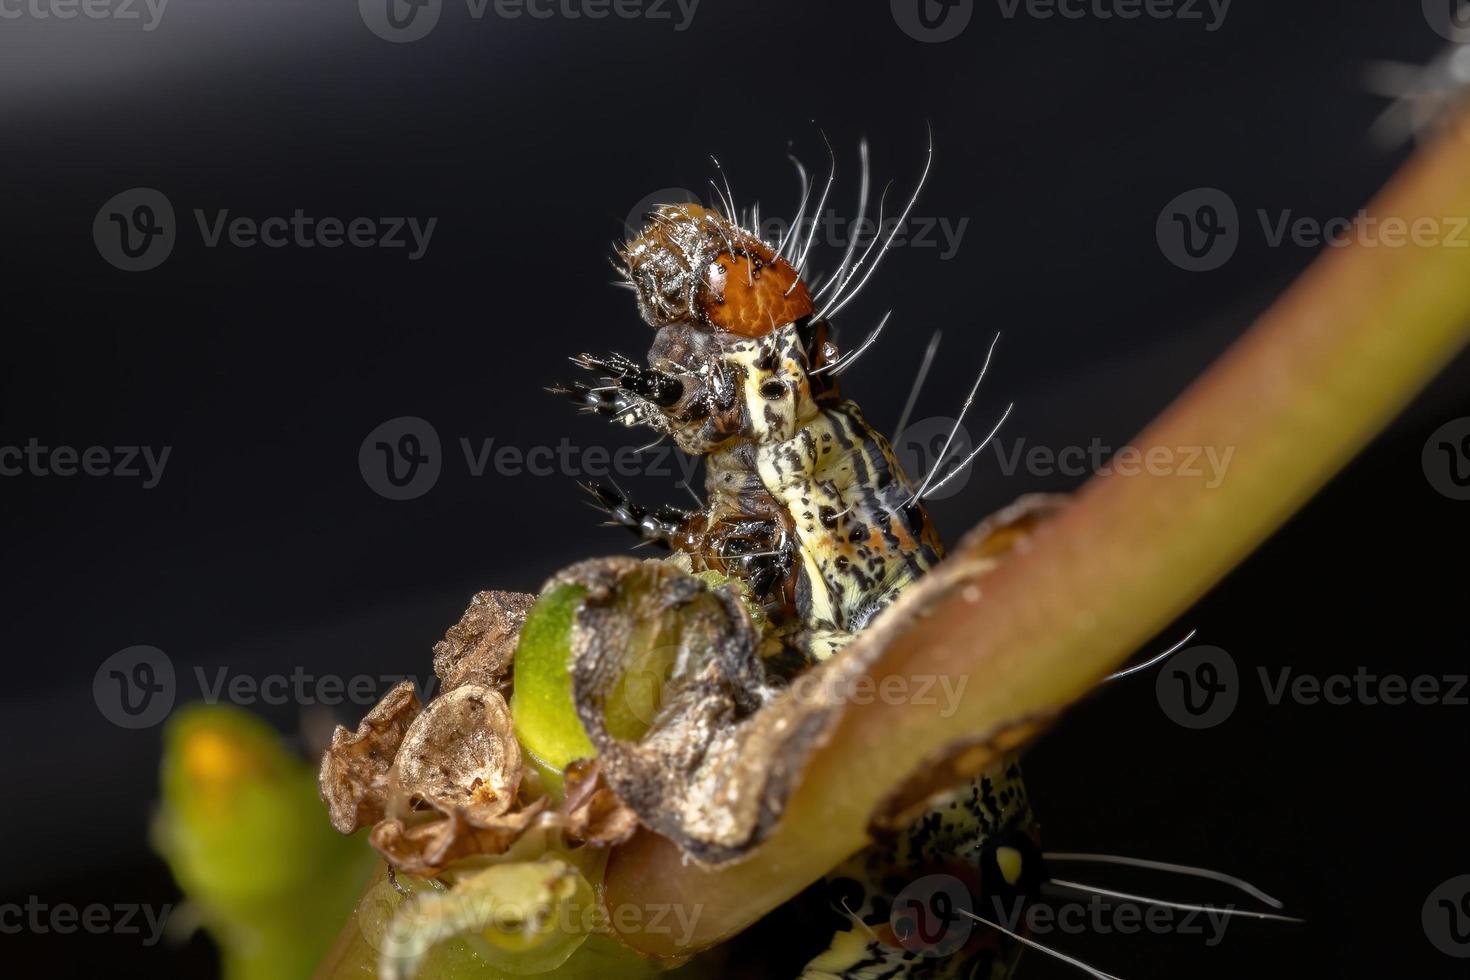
481,647
354,772
440,783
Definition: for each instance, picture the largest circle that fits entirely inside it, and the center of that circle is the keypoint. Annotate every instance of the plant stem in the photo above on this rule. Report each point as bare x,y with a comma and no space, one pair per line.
1309,385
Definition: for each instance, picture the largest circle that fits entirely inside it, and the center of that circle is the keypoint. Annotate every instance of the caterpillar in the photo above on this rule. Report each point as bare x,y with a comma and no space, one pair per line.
808,506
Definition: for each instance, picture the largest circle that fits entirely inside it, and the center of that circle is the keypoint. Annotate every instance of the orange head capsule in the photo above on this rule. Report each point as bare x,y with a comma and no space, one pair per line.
693,265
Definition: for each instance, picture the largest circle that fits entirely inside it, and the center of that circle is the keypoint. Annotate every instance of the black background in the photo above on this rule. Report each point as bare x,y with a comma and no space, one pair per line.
264,549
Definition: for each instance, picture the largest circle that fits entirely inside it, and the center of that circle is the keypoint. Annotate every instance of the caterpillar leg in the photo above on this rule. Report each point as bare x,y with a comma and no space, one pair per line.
632,394
756,550
613,403
663,525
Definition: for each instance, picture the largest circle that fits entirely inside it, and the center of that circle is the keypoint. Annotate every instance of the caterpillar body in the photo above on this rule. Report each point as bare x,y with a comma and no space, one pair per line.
810,508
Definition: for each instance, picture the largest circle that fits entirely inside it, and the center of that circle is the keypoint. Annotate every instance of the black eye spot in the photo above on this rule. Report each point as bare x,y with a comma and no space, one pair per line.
771,390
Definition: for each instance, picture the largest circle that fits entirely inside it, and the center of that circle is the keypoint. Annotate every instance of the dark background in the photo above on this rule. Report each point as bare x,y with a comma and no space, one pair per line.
264,549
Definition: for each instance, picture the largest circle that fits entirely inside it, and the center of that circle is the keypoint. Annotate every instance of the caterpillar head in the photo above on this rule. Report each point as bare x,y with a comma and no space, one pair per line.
737,349
692,265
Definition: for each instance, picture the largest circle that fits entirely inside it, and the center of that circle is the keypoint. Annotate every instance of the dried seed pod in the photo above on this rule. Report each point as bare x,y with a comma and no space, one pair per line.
479,648
460,755
354,773
591,812
425,844
453,786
